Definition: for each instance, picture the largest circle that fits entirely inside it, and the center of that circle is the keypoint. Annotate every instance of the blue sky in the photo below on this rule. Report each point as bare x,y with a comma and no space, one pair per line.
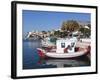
45,20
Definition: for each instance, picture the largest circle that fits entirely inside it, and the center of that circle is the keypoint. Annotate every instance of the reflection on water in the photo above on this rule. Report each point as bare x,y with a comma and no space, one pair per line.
68,62
31,59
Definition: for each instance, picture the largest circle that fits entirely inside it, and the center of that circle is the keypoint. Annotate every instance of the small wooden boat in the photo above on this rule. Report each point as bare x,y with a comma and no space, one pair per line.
68,48
53,54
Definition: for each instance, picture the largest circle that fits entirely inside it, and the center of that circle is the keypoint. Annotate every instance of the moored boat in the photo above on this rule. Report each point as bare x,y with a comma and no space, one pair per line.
78,53
64,49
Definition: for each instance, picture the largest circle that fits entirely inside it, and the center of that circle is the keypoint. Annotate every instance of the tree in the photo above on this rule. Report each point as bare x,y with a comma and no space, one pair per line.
63,26
70,25
89,25
57,33
86,32
44,32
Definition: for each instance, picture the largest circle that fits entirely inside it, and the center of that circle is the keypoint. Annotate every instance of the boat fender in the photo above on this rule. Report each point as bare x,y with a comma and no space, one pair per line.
88,50
76,49
41,53
65,50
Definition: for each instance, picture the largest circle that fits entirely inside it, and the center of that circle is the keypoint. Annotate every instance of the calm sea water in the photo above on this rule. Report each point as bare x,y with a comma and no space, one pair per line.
31,59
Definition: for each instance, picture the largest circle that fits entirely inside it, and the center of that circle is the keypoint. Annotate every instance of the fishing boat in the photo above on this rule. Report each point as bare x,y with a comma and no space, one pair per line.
65,48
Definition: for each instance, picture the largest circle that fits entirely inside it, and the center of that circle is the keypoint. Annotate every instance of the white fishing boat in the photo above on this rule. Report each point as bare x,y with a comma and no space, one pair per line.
65,48
63,55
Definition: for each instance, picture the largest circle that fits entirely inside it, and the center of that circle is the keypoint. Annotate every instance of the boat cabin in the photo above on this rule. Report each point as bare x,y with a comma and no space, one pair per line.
66,44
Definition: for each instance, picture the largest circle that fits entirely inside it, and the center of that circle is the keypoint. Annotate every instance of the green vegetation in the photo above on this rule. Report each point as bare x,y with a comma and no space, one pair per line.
57,33
85,31
70,25
44,32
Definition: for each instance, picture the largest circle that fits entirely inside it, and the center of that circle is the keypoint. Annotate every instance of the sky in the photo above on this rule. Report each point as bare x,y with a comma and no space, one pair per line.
47,20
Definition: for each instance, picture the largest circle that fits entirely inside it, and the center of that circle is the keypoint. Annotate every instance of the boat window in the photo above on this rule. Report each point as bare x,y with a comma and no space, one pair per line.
72,44
62,45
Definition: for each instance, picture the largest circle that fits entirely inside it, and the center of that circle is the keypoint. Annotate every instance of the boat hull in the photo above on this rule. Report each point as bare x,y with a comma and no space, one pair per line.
64,55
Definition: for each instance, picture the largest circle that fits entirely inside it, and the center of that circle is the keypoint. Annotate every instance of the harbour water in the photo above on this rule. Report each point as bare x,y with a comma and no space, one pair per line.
31,59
